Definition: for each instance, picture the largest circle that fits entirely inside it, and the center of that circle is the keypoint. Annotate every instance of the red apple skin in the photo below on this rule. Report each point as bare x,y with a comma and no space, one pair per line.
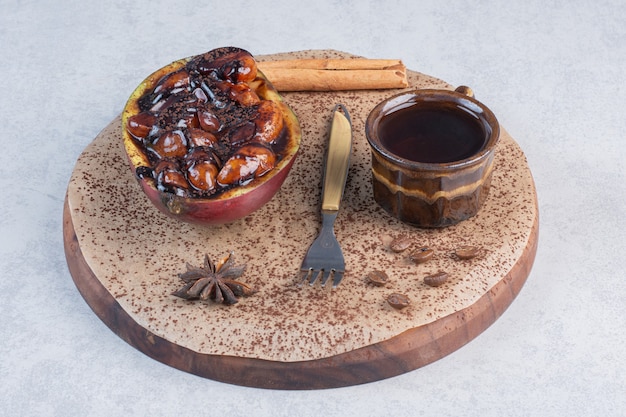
220,211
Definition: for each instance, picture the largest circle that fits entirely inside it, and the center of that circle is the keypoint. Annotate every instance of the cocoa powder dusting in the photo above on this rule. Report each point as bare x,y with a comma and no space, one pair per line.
135,250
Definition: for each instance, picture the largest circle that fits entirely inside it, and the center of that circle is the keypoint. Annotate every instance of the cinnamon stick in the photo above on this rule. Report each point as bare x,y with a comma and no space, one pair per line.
334,63
335,74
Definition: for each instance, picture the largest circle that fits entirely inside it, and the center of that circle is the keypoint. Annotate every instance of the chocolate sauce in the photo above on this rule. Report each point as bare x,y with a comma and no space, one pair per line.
210,98
432,134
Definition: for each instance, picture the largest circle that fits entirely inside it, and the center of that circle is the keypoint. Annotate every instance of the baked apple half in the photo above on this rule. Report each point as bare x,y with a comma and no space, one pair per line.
209,138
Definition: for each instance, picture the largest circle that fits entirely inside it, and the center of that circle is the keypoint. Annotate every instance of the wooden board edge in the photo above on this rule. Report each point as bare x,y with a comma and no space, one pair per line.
406,352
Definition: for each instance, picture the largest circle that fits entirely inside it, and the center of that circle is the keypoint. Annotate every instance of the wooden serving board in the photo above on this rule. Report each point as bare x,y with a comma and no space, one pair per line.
125,257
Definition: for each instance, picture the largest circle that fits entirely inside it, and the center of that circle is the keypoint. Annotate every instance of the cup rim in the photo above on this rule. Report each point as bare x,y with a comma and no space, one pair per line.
432,95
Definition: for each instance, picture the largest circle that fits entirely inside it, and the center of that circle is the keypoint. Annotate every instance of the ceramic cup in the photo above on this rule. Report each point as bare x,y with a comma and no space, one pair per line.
432,155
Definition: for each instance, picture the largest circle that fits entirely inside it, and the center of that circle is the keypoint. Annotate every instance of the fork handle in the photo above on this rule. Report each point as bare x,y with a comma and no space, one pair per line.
337,159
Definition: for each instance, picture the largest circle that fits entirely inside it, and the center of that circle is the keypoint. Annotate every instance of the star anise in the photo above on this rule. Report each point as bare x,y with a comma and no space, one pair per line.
214,281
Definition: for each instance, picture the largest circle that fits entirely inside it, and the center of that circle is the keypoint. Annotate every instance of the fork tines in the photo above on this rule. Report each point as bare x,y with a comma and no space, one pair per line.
312,276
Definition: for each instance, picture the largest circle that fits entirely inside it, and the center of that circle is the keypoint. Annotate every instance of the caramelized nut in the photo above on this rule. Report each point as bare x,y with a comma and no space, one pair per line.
398,301
169,176
201,170
172,81
422,255
209,121
250,161
200,137
400,243
467,252
169,145
269,122
202,176
243,94
437,279
141,124
377,278
242,68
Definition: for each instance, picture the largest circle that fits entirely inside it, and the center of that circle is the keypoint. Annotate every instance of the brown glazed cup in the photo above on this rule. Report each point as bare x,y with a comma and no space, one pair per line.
432,155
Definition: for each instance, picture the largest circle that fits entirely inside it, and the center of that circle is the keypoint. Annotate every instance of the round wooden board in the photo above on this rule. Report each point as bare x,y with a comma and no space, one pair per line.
124,257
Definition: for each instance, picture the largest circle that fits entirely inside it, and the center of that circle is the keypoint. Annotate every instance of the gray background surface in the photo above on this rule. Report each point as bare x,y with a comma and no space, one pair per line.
554,72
